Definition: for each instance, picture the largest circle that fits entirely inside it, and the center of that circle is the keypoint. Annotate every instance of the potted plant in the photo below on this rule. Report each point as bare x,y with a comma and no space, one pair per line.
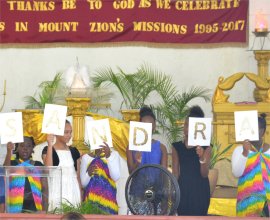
217,154
83,208
174,109
47,93
136,87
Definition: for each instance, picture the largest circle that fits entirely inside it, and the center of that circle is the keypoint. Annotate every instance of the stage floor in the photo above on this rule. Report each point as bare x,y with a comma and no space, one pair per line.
117,217
222,206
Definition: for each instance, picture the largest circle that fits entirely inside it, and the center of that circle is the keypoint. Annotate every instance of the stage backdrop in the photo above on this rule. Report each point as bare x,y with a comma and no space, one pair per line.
160,21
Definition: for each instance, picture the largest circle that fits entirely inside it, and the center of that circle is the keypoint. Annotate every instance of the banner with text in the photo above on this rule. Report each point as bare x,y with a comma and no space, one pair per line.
91,21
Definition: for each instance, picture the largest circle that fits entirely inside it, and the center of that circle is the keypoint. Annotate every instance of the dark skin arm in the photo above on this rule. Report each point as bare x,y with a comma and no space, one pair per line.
204,157
246,147
175,164
49,156
133,164
10,147
164,159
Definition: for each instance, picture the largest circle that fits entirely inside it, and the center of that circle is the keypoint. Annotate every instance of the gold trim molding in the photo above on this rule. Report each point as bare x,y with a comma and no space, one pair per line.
220,97
130,115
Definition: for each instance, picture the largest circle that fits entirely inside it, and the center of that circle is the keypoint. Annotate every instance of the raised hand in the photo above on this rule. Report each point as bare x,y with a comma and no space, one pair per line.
91,170
106,150
10,147
138,157
200,152
246,147
50,139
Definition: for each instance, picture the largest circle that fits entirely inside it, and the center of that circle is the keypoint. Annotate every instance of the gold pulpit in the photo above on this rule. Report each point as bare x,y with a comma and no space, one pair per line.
77,107
223,112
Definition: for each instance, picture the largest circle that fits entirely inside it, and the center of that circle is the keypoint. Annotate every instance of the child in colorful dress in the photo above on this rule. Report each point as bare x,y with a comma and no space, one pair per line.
2,191
99,171
251,163
26,194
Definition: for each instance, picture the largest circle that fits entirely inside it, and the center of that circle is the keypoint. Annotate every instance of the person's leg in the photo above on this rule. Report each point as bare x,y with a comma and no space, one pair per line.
265,210
2,204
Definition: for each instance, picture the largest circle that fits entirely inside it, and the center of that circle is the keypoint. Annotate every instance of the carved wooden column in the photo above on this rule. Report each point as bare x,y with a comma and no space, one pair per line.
77,107
262,57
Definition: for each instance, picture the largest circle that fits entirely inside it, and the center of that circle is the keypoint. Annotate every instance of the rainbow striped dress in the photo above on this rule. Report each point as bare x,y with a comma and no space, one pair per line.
101,189
17,188
254,185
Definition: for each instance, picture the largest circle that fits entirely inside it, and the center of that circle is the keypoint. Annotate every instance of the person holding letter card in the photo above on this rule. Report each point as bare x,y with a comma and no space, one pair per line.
60,154
135,159
158,153
251,164
99,171
26,194
190,166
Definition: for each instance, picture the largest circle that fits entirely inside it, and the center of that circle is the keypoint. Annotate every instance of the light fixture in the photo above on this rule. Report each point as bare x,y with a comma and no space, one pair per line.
261,29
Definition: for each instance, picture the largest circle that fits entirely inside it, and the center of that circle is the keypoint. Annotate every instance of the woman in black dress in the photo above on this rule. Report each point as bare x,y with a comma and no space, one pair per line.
191,166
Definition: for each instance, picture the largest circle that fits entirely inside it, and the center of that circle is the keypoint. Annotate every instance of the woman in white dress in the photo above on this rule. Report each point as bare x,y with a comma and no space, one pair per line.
61,155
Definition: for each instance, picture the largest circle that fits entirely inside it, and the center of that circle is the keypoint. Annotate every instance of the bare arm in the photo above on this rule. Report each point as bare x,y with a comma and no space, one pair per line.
78,176
49,155
175,164
10,147
204,158
132,165
164,158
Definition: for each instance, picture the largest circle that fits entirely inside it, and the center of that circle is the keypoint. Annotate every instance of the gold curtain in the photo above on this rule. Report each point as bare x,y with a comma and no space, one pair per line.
120,130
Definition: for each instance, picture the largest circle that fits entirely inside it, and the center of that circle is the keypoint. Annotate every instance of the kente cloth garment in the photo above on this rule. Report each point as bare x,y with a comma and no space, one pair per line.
254,185
18,191
101,189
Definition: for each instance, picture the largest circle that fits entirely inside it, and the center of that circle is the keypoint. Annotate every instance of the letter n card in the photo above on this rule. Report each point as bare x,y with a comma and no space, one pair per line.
199,131
140,136
99,131
11,127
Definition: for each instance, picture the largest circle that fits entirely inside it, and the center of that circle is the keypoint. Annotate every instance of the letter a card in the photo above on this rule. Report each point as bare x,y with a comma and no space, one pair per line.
246,125
11,127
54,119
99,131
199,131
140,136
